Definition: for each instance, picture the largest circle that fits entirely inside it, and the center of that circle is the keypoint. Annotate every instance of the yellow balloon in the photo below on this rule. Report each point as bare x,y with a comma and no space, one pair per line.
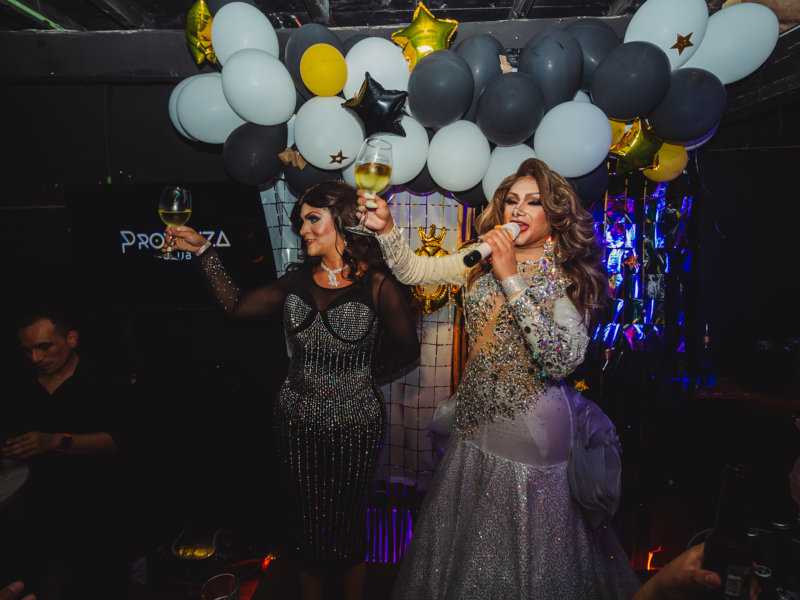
670,161
323,70
198,33
425,34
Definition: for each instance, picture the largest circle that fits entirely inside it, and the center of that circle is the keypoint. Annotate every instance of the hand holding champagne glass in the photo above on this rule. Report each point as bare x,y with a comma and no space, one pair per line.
174,209
373,172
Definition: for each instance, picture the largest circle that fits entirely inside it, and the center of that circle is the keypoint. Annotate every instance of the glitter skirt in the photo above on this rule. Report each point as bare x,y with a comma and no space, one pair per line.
494,528
328,447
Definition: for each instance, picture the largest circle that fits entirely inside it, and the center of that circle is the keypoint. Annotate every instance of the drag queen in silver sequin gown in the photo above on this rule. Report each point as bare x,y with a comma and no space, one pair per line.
330,413
499,520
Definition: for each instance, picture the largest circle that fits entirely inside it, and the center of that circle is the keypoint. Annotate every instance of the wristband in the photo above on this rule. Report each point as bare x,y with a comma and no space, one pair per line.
65,443
203,248
513,285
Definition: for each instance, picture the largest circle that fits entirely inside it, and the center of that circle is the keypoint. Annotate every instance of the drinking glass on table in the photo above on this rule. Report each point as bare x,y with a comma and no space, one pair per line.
373,172
221,587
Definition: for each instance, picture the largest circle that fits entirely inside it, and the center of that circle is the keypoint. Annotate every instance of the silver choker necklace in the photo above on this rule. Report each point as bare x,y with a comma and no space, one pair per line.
331,273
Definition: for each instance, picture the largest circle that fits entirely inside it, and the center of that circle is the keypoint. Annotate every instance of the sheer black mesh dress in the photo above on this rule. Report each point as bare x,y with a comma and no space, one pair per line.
330,413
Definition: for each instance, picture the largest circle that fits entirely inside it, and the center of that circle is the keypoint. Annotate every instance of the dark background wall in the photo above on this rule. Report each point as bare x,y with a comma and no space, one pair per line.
748,235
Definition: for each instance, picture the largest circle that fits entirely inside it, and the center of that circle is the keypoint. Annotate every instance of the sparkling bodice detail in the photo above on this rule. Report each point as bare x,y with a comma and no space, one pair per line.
502,377
331,350
518,347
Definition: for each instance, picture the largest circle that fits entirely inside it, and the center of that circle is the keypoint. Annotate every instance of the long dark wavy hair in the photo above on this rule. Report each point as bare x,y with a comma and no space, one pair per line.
361,252
577,250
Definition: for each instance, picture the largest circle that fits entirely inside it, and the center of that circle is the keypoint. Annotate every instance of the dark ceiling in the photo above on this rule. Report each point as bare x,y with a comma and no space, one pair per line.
98,15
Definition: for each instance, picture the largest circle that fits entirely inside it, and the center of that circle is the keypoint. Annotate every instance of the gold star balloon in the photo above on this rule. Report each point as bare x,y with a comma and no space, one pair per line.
198,33
424,35
637,147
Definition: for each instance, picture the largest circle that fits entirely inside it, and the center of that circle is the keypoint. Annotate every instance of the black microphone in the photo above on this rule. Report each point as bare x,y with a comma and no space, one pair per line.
483,250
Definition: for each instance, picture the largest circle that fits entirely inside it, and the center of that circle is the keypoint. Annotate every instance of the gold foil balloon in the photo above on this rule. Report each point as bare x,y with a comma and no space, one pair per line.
671,160
424,35
198,33
323,70
637,147
618,129
432,297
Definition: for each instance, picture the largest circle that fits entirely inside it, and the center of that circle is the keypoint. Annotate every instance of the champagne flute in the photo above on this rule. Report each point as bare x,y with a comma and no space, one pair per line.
373,173
174,209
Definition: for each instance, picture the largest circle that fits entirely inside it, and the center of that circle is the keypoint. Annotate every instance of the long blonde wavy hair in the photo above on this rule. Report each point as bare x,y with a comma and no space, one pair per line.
577,250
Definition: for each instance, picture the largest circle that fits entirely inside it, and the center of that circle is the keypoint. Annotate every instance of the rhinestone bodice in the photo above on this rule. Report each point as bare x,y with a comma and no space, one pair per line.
502,376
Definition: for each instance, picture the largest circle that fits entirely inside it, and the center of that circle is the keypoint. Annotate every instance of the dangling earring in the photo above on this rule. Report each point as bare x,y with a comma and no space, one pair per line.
549,248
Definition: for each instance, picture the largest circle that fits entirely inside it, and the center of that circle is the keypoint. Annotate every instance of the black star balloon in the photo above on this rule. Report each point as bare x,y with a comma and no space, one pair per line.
379,109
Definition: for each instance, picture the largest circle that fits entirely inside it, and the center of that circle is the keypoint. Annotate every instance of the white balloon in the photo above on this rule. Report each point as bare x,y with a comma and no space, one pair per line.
349,175
239,25
409,153
458,156
581,96
258,87
323,129
203,110
738,41
173,108
382,59
660,22
573,138
504,161
290,131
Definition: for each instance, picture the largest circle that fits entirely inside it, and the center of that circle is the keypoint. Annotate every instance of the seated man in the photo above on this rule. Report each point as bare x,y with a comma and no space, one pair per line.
70,505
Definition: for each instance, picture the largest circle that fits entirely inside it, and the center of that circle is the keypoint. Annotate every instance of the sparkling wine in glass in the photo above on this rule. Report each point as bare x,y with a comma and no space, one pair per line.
174,209
373,172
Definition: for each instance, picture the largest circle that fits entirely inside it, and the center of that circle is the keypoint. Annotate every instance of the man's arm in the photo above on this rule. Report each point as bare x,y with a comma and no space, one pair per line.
35,443
13,591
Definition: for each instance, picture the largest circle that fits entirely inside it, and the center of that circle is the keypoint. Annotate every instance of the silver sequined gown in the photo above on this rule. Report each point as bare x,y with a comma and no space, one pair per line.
498,522
329,412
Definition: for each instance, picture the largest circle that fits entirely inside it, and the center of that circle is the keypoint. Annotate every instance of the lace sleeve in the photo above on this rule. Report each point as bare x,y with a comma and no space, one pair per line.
259,302
399,347
415,270
553,329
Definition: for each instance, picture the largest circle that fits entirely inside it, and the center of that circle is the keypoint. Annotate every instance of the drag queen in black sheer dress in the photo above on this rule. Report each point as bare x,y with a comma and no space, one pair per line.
340,308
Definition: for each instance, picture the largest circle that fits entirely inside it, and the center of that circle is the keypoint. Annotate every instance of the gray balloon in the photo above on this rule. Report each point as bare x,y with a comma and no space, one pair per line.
631,81
300,41
250,153
440,89
510,109
554,60
482,53
596,40
693,106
